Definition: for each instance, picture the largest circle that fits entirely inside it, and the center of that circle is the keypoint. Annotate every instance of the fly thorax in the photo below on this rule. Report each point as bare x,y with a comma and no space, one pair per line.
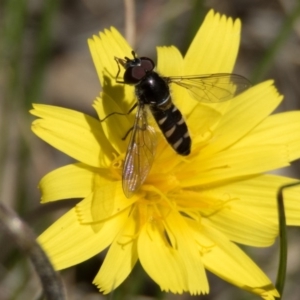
152,90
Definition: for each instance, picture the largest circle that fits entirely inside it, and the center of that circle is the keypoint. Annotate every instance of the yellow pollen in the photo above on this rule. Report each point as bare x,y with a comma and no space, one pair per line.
116,166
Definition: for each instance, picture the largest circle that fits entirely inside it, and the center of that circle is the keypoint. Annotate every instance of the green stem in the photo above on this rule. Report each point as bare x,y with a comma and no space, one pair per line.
22,235
281,274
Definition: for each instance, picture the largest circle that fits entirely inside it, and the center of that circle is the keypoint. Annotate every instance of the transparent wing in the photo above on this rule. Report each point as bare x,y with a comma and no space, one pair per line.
140,154
212,88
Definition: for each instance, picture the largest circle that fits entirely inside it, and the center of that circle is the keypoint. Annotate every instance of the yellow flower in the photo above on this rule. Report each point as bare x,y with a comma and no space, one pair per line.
191,211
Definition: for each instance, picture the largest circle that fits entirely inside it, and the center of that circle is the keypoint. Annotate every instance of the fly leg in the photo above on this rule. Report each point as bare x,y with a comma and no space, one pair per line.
123,63
127,133
118,113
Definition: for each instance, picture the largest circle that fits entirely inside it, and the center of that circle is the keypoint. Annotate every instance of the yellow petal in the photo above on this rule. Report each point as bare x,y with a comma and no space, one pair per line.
120,259
179,231
76,134
222,210
229,262
169,61
175,268
201,121
104,48
246,111
105,201
231,164
215,46
259,195
67,242
244,226
162,263
115,126
283,128
72,181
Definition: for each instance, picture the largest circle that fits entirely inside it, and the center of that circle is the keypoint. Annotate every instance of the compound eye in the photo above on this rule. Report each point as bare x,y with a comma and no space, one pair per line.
147,64
134,75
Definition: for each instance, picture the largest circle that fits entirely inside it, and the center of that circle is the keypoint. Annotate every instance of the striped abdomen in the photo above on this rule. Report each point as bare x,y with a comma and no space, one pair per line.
173,127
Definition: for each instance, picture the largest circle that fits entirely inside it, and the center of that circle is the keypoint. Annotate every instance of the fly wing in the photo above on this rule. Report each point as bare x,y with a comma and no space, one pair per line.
140,154
212,88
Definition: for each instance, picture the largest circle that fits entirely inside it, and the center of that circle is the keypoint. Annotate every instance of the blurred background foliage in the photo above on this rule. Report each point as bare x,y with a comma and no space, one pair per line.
44,58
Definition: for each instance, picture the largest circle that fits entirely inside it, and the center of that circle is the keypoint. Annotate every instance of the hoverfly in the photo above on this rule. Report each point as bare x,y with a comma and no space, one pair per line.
152,91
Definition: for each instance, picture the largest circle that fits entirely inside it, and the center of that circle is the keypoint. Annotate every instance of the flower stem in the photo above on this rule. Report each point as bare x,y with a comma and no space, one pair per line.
22,235
281,274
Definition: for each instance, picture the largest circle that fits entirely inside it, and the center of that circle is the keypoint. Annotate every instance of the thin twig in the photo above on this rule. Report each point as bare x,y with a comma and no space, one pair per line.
130,31
14,227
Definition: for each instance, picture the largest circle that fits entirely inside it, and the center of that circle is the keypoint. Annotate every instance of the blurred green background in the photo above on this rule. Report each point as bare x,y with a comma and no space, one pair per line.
44,58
